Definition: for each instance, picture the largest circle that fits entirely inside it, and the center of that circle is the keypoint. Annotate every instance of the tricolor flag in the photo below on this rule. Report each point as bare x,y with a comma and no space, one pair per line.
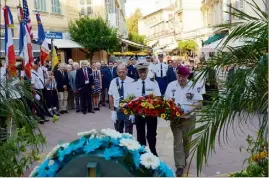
44,50
9,45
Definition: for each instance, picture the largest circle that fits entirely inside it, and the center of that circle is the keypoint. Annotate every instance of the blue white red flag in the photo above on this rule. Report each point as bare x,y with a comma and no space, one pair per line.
9,45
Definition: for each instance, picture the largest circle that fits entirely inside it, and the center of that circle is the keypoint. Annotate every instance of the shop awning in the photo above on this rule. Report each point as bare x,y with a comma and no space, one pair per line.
131,43
213,38
63,44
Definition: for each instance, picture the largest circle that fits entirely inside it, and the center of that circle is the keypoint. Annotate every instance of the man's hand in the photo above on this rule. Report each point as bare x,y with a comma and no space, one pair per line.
65,87
132,118
93,87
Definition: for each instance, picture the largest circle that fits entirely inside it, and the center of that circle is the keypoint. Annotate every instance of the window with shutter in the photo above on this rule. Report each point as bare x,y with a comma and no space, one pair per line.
40,5
56,6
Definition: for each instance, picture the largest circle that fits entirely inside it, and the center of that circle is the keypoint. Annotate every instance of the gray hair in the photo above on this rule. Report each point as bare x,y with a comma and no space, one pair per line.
75,65
62,66
122,66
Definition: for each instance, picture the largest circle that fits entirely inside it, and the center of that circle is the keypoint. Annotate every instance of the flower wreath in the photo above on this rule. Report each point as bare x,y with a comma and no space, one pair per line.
114,145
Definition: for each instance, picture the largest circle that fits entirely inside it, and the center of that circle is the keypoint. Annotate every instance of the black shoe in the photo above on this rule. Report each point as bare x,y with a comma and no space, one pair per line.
91,111
62,112
65,111
55,111
77,111
46,120
41,122
50,113
97,109
179,172
84,112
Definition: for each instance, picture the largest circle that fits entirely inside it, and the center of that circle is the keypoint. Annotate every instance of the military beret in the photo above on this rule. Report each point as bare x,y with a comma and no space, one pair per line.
182,70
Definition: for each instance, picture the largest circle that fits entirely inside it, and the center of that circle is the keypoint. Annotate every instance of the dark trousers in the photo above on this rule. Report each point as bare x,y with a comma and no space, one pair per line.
123,122
151,123
39,107
86,98
52,98
45,100
104,94
162,82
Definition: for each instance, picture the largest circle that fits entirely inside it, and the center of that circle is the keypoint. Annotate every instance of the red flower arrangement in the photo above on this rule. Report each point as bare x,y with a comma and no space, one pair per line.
151,106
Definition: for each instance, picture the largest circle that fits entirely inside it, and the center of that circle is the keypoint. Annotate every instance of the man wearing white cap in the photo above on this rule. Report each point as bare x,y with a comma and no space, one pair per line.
142,87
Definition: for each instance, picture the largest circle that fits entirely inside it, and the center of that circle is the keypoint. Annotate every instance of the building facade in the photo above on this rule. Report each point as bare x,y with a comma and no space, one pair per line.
113,11
158,27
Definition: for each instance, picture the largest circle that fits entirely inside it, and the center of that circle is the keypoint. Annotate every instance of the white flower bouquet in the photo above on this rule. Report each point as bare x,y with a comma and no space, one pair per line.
122,148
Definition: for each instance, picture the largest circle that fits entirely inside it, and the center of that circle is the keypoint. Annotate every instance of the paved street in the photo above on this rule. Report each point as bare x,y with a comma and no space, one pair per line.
227,159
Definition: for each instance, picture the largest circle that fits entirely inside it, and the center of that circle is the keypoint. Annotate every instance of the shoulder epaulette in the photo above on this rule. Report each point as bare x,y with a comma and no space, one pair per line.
152,79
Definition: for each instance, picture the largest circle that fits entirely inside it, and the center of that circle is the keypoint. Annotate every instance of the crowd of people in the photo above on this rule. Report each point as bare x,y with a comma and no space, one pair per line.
86,87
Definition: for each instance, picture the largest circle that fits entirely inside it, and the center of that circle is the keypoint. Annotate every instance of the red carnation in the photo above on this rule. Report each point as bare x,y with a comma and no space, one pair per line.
140,112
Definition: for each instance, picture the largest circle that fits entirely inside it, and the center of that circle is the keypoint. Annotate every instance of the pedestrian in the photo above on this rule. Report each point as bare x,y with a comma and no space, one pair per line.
85,84
151,68
161,71
62,81
184,94
52,98
171,72
71,96
115,64
97,78
142,87
72,81
38,83
170,63
118,91
132,71
106,79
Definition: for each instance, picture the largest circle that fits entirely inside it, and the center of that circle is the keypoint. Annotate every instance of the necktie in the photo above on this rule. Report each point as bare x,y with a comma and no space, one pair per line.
85,75
143,88
174,69
161,70
122,90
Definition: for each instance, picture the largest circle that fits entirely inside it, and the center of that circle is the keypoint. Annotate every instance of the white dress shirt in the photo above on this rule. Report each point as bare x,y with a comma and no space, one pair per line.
151,70
37,80
113,89
158,69
175,91
151,87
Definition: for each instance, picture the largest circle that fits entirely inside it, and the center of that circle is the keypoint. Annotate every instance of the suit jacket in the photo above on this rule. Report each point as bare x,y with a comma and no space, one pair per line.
171,75
114,73
72,79
61,79
80,78
132,72
106,77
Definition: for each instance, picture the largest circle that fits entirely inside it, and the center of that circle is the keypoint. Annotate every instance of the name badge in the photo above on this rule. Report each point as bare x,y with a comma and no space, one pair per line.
149,89
189,96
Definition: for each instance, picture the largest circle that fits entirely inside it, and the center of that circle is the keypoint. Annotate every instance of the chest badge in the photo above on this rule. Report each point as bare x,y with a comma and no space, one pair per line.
189,96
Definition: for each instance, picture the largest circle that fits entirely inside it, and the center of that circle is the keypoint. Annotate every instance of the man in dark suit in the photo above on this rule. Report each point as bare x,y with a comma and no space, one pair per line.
106,79
171,72
132,71
85,84
62,81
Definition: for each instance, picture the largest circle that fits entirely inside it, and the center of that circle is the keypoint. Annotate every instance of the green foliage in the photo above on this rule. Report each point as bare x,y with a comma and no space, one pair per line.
132,21
94,34
19,148
135,37
258,160
243,97
187,45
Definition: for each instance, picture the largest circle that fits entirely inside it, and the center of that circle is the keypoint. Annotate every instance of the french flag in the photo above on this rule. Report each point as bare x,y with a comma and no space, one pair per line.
9,45
44,50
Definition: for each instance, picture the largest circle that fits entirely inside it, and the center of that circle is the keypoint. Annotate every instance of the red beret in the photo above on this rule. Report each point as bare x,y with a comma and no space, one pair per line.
182,70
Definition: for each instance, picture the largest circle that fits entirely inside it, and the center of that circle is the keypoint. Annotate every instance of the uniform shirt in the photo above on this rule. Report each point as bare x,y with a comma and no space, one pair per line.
37,80
151,70
158,68
182,95
113,89
200,84
151,87
3,71
43,71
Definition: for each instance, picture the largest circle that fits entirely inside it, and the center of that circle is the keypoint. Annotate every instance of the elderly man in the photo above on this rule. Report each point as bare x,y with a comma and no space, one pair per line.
72,81
184,94
71,97
85,84
70,62
62,81
118,91
142,87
